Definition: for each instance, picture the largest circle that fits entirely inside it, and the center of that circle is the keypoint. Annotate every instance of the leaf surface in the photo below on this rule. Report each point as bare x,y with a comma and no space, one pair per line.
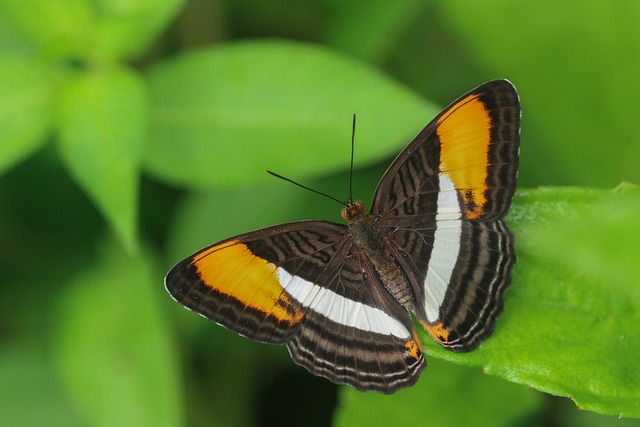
102,130
221,116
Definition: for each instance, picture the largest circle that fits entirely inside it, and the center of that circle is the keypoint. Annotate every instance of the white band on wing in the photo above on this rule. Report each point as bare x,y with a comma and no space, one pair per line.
340,309
446,248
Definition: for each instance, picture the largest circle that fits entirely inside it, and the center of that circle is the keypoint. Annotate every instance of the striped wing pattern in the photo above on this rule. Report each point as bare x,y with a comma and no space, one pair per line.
472,298
349,329
444,214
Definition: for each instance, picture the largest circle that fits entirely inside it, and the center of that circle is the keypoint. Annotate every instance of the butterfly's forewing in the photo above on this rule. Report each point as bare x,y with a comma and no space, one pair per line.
307,286
442,201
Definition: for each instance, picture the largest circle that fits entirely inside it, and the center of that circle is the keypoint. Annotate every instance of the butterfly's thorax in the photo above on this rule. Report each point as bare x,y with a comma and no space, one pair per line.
366,233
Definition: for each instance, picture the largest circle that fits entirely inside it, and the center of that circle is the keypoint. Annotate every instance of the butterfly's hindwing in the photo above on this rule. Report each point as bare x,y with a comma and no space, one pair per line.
474,297
461,280
382,352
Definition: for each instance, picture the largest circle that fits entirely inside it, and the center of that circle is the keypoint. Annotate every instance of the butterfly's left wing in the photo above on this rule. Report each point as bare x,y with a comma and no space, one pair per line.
305,285
441,203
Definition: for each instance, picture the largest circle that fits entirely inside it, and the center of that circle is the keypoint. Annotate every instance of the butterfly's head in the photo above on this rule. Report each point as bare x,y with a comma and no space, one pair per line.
353,211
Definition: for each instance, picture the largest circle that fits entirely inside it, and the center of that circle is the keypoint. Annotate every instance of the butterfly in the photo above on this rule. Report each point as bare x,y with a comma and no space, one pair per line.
434,246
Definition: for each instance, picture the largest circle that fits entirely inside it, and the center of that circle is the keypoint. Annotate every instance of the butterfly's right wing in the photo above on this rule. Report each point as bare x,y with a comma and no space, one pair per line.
305,285
441,203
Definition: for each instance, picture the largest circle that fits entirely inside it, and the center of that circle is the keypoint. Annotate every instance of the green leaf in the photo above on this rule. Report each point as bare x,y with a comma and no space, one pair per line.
59,28
220,117
570,323
575,68
442,394
102,129
26,101
112,344
127,27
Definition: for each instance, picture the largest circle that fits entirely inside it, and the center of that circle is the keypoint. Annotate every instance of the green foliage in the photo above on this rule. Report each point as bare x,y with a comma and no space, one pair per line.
95,93
208,104
102,123
74,44
100,30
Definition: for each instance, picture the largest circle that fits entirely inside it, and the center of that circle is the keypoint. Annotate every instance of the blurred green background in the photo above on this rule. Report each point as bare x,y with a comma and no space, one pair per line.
134,132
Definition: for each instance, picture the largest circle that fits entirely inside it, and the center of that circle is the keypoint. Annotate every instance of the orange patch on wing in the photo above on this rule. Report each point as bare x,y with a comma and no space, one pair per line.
437,331
465,133
414,348
232,269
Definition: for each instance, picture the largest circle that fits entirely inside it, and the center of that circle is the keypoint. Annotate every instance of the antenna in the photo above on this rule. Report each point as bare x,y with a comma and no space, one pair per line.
353,138
307,188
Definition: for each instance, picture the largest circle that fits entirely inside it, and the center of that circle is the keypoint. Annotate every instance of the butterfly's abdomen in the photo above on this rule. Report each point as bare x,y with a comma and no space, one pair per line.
394,280
366,234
